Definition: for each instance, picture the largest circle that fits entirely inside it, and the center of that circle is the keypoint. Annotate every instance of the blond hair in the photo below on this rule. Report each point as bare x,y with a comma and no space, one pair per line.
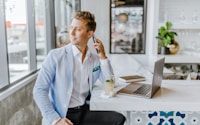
87,16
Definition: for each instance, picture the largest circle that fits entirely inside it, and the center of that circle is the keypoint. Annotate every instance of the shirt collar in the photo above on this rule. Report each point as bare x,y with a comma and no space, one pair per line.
76,51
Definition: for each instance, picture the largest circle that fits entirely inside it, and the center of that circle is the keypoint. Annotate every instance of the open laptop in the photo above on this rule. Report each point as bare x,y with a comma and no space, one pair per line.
146,90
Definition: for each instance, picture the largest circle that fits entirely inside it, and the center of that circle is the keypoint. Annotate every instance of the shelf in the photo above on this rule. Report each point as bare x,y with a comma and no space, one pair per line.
186,26
183,26
180,59
188,31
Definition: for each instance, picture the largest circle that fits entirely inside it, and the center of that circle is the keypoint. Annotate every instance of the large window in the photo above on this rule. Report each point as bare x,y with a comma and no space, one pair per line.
25,28
63,13
40,31
16,28
128,26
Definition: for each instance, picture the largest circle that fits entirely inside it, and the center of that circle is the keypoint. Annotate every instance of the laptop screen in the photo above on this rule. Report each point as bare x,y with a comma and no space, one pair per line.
158,75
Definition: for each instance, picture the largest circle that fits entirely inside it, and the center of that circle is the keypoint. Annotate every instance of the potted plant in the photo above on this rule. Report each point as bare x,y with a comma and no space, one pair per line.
166,38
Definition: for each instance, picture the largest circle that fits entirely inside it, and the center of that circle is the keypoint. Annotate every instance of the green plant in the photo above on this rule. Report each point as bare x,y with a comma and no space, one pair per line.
110,81
165,35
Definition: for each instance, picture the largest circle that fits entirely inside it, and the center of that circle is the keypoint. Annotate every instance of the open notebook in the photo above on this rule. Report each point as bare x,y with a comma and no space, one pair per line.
146,90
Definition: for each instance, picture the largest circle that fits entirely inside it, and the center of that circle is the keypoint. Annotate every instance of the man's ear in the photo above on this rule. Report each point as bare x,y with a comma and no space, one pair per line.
90,33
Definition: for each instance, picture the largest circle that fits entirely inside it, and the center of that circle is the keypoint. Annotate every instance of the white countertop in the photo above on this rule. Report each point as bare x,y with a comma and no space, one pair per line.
174,95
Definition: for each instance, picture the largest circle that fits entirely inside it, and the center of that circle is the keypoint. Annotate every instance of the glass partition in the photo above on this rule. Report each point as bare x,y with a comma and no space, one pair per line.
128,28
63,13
40,31
17,40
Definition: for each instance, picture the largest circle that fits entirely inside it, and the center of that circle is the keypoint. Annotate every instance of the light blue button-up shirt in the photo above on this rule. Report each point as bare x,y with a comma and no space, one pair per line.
54,85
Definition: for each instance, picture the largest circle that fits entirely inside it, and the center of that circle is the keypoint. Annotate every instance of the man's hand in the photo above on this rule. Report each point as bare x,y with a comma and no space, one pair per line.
99,45
63,121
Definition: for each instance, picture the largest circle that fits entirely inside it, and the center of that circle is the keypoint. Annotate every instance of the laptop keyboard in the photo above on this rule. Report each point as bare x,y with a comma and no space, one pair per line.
143,90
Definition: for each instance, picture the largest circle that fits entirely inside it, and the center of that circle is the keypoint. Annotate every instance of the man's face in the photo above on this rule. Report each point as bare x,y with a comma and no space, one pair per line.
79,35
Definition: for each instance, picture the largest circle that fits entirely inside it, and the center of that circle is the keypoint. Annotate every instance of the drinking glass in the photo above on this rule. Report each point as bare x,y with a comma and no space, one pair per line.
194,17
182,17
109,85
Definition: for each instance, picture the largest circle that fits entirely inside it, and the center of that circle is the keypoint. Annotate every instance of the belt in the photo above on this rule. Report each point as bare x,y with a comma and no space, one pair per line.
77,107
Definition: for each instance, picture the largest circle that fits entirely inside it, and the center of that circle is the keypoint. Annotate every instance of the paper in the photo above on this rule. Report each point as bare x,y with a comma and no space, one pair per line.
105,96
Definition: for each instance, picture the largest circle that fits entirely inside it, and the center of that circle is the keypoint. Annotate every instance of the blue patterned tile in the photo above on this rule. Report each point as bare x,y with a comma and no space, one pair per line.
166,114
182,115
150,115
165,118
193,118
139,118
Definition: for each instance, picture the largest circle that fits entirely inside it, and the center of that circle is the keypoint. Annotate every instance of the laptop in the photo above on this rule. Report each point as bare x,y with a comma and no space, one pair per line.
146,90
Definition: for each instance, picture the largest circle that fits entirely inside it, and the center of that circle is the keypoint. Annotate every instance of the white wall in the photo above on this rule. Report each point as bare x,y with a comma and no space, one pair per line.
101,9
152,19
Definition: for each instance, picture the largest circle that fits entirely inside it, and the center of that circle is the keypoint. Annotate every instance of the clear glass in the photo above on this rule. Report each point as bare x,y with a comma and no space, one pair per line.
182,16
63,15
127,28
109,85
195,17
193,75
16,28
40,31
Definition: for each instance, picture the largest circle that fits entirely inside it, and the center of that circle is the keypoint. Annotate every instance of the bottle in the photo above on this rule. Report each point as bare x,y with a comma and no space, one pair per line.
195,17
198,75
193,74
182,17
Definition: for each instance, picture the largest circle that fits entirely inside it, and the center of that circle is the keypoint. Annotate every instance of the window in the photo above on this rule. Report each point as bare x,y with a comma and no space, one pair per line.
40,31
27,30
25,27
17,42
63,13
128,26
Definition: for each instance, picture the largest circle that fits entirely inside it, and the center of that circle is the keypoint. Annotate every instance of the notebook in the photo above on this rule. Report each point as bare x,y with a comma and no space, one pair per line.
131,78
146,90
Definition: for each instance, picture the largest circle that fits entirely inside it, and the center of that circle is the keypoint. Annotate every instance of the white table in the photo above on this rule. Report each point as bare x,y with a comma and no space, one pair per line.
174,95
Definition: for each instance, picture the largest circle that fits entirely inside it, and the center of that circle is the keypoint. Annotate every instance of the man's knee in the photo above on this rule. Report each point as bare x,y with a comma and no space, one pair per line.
120,118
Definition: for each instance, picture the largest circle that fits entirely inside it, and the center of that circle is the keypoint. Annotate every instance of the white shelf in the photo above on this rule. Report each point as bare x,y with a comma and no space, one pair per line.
187,31
180,59
183,26
174,9
186,26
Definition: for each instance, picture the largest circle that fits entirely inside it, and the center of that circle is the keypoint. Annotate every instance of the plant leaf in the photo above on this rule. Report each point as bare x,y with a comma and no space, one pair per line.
165,36
163,31
168,25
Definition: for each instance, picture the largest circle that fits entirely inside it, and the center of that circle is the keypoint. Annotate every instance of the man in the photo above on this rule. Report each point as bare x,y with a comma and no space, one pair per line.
67,76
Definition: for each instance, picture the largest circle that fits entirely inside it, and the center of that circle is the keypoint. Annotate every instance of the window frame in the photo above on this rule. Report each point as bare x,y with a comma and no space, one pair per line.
144,29
4,71
31,35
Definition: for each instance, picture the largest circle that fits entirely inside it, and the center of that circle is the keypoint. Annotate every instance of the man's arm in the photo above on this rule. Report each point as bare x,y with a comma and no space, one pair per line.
41,89
106,67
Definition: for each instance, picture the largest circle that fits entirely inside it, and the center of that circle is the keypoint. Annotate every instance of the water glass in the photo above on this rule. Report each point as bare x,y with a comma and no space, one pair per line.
109,85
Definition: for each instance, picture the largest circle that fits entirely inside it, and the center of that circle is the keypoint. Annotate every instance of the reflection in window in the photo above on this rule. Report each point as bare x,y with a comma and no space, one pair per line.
40,31
15,12
127,29
63,13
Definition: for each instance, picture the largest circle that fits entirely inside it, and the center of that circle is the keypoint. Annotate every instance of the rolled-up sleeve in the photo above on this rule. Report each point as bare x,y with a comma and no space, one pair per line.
106,69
